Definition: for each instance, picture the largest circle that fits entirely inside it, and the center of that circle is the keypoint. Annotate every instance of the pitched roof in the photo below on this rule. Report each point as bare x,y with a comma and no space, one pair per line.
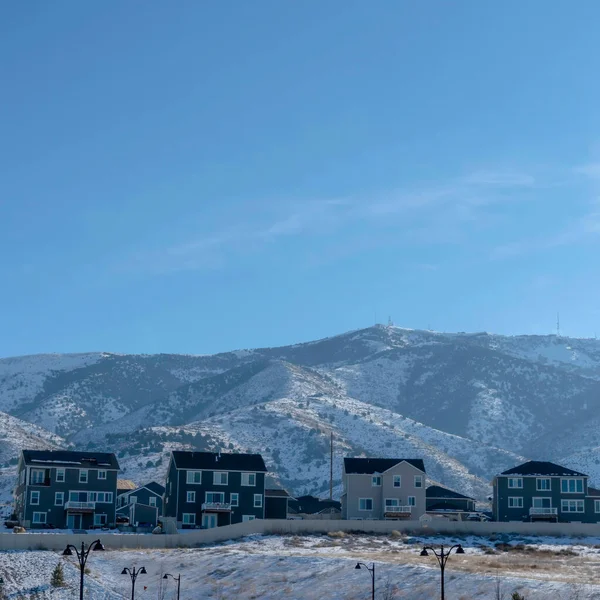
155,487
437,491
445,505
125,484
538,467
212,461
368,466
277,494
310,505
593,491
71,458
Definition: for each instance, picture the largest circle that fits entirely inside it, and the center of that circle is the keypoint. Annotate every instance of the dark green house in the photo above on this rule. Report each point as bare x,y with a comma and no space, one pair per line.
66,489
540,490
210,489
441,499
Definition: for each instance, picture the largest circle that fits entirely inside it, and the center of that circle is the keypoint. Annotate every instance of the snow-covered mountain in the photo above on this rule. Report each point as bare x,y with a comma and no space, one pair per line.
469,404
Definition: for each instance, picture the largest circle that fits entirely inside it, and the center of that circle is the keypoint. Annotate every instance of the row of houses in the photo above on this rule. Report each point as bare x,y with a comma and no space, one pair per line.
81,490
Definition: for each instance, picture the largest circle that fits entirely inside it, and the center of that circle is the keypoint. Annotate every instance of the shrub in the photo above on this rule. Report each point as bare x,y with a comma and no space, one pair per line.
58,577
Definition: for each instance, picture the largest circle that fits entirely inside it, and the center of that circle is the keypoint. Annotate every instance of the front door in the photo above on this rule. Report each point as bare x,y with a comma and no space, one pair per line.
209,520
73,521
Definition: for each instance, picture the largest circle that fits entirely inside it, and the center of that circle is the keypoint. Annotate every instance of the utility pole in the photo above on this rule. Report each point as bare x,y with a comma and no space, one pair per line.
331,467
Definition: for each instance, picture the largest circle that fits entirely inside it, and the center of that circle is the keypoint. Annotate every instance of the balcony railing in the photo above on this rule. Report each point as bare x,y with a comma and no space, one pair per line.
398,510
543,511
40,482
216,506
70,505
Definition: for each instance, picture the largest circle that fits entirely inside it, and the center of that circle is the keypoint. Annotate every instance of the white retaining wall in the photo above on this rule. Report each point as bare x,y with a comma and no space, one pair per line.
196,538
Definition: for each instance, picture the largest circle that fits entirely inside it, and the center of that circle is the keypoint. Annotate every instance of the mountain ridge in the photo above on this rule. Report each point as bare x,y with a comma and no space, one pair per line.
380,390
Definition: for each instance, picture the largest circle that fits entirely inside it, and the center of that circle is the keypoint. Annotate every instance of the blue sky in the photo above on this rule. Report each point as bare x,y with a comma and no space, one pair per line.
197,177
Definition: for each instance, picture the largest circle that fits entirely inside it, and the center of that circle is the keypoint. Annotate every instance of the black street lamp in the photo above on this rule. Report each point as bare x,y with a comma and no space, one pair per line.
82,558
177,579
372,571
442,558
133,574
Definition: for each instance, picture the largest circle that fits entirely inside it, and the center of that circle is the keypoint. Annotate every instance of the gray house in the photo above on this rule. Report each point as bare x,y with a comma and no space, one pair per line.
209,489
383,488
66,489
539,490
142,505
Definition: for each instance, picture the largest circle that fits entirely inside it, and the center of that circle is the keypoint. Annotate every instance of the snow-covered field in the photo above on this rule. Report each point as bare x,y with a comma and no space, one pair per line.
311,567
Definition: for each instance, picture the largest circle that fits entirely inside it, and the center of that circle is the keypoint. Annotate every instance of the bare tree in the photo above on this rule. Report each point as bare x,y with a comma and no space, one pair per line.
388,592
499,593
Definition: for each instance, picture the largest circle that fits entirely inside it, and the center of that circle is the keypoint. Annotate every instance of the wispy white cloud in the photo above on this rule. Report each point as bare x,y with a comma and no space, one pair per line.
427,214
505,179
581,230
591,170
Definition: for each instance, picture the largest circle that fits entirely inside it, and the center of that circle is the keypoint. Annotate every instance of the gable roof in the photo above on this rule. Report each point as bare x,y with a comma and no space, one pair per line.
155,487
593,491
70,458
310,505
279,493
437,491
125,484
368,466
538,467
212,461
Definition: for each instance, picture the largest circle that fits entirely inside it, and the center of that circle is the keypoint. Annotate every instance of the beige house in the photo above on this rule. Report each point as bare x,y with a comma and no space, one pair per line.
383,488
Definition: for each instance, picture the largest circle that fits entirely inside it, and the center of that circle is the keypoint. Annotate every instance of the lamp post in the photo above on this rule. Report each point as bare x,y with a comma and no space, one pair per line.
133,574
442,558
82,557
372,571
177,579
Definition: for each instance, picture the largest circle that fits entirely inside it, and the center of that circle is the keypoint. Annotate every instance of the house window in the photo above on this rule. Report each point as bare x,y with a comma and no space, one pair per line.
573,506
543,484
597,506
216,497
59,498
39,517
571,486
515,483
376,480
152,501
78,496
248,518
193,477
397,481
106,497
234,499
412,501
249,479
191,497
390,502
220,478
99,520
418,481
257,500
515,502
83,476
365,504
542,502
37,476
133,499
34,498
189,518
101,474
60,475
